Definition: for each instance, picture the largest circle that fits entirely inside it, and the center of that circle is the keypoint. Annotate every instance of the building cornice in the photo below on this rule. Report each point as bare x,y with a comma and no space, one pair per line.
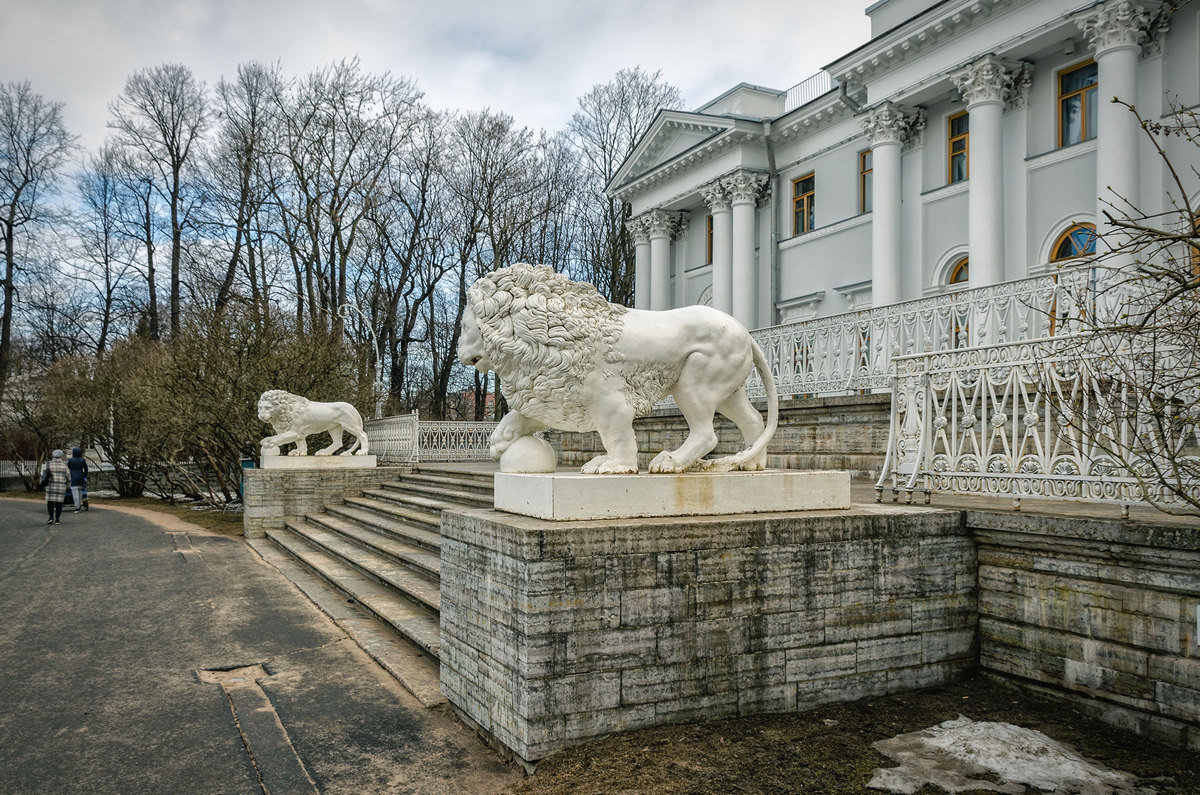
918,35
743,133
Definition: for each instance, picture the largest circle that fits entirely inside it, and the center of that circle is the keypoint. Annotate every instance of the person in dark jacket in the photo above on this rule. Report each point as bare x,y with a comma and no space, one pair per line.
55,478
78,467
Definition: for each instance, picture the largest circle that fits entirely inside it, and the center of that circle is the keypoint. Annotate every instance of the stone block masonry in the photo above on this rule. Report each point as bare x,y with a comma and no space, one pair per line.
554,633
1102,611
271,495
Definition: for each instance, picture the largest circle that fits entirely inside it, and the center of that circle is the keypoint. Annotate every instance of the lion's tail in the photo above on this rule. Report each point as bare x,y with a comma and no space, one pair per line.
735,461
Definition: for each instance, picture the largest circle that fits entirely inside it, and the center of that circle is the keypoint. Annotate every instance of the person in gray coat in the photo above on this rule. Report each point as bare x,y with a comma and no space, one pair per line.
55,478
78,466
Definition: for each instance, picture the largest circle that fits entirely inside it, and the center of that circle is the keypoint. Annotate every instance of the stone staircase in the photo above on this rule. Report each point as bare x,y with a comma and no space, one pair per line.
373,564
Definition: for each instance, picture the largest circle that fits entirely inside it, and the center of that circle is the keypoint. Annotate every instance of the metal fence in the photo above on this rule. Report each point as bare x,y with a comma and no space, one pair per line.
406,439
1043,418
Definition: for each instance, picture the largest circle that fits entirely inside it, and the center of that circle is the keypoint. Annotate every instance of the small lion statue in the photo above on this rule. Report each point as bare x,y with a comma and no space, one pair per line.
569,359
294,418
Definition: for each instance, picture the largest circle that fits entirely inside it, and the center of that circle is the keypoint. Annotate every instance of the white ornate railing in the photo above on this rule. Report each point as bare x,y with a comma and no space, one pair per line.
853,351
405,439
394,439
1050,418
455,441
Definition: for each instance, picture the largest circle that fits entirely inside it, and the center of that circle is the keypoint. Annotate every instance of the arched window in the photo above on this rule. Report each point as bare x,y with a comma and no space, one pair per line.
960,272
1077,241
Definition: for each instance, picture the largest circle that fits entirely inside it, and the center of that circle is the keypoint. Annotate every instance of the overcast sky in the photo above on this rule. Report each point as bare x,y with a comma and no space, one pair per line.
529,58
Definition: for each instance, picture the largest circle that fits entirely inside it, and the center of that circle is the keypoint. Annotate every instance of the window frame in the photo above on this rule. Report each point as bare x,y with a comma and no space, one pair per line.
961,265
1086,135
1066,234
803,215
866,170
708,237
951,139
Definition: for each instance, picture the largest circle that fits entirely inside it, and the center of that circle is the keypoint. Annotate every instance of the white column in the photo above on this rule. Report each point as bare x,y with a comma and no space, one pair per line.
660,226
722,264
641,261
887,125
984,86
743,189
1115,31
680,254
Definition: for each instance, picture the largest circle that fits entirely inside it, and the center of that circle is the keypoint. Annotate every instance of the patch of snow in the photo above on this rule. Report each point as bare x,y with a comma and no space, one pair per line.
953,754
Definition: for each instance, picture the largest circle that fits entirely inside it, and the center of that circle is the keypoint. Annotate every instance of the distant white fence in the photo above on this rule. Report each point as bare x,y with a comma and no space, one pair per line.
853,352
406,439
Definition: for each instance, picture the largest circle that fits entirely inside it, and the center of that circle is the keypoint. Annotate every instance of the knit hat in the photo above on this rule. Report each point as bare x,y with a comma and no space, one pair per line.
77,451
57,454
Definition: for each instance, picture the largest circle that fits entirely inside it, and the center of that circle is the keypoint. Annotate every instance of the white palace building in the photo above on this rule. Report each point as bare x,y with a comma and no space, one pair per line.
925,193
968,143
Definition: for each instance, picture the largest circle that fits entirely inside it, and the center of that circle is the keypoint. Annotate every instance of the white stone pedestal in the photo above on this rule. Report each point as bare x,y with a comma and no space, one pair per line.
319,462
572,495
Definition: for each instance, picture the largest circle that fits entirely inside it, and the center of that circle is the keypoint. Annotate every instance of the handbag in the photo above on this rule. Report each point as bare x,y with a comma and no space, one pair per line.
45,478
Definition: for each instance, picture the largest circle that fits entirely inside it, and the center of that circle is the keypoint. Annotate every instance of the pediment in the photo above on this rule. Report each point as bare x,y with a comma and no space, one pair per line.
670,135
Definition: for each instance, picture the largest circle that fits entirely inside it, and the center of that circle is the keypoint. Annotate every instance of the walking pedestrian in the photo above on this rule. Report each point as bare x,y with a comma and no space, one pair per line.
78,467
55,478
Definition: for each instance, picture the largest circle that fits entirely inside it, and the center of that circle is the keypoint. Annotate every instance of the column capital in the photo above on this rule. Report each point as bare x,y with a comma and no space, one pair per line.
744,187
991,80
639,229
681,224
715,196
659,223
1123,24
891,123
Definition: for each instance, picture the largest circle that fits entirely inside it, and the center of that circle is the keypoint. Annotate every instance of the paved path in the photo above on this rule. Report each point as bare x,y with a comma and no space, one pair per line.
128,646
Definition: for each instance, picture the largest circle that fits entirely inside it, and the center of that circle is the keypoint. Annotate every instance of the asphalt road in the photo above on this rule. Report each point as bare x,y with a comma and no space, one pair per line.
143,656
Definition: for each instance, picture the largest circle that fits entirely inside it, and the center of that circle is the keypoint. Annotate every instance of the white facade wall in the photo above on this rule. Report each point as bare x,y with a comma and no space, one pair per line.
1042,189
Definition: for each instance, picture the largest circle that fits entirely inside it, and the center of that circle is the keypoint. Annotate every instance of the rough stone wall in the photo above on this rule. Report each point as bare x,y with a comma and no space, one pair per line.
270,495
848,433
1104,611
556,633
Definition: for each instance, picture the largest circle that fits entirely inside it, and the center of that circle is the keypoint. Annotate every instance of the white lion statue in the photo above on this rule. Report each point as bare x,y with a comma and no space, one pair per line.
569,359
294,418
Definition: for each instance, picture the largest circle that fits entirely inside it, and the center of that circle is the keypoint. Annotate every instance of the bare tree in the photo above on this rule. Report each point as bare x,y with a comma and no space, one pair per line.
610,122
1135,361
34,146
161,114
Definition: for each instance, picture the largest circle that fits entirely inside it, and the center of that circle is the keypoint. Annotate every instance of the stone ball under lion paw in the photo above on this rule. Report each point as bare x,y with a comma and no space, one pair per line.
528,455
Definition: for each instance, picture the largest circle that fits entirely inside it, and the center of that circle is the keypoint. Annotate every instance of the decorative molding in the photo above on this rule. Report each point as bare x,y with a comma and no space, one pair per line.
660,223
682,221
687,161
891,123
825,231
743,186
1058,155
1121,24
945,191
639,230
919,35
994,80
800,308
716,196
857,295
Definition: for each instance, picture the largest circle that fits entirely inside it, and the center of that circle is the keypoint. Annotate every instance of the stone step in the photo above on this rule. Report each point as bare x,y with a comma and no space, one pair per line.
381,502
414,669
397,493
443,495
420,560
478,478
417,535
417,587
417,625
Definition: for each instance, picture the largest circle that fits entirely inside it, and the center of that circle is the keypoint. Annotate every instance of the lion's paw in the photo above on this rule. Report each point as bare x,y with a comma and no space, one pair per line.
361,452
295,452
617,469
667,464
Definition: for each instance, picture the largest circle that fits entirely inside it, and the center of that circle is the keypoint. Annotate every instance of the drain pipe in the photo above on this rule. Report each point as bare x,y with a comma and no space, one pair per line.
772,206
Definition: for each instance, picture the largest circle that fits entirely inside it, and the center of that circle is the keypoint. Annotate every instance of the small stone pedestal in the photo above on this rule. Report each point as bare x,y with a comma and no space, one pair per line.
319,462
559,632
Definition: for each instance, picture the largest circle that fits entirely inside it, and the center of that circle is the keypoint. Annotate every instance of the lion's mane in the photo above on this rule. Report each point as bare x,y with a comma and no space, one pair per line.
283,408
543,333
